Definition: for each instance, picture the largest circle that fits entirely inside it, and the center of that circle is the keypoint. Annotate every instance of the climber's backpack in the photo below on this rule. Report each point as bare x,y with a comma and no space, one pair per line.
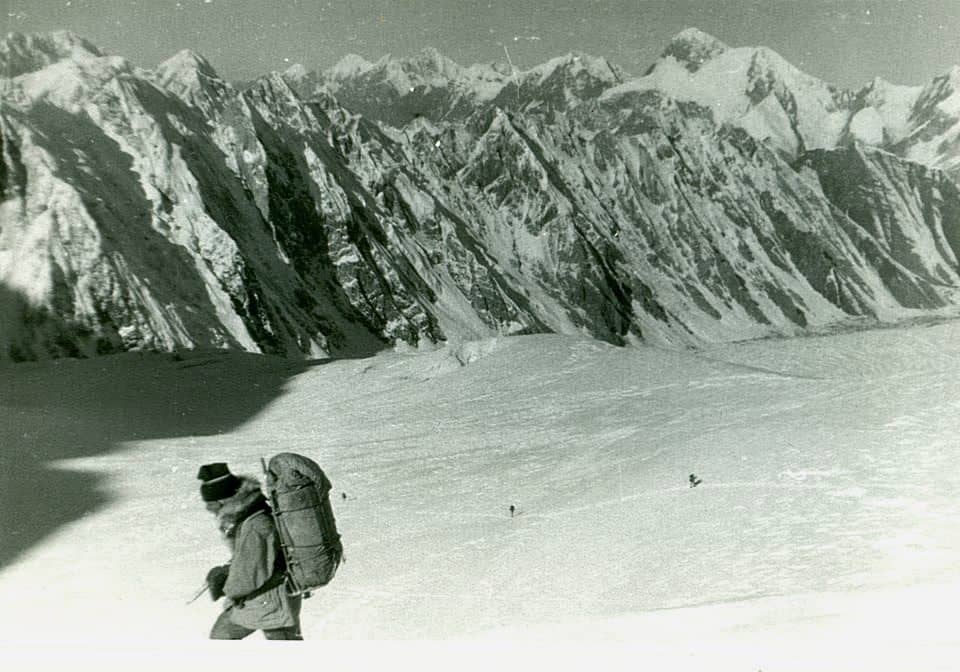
299,494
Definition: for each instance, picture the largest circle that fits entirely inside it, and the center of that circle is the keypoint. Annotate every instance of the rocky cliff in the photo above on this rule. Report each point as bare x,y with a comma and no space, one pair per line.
413,201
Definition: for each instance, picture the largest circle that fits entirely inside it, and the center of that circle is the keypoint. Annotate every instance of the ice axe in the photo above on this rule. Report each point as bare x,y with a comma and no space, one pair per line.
198,594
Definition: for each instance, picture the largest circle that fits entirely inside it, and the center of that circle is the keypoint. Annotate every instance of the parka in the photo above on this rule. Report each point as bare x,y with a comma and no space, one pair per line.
247,525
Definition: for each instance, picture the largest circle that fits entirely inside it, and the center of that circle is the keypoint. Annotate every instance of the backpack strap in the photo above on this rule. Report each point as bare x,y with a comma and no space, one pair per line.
276,580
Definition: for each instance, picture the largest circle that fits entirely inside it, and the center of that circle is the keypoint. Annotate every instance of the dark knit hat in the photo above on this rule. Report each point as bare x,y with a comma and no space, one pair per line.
218,482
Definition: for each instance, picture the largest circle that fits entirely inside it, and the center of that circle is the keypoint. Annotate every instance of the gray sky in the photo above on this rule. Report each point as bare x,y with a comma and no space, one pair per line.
846,42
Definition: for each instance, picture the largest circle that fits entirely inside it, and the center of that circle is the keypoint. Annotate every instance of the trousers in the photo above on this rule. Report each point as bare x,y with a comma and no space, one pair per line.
224,628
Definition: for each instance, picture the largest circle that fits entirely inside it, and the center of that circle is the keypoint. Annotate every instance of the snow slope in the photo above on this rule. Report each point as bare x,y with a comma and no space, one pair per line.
824,535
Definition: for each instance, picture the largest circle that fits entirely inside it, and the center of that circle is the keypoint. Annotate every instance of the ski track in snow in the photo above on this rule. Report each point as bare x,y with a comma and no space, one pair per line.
829,472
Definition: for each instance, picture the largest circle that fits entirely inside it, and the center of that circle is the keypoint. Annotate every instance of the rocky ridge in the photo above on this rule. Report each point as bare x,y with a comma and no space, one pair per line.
415,201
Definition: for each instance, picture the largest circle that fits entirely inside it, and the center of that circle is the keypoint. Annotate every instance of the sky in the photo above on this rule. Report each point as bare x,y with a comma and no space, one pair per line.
845,42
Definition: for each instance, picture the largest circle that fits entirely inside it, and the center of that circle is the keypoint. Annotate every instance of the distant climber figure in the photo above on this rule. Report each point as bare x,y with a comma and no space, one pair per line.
343,494
513,510
694,481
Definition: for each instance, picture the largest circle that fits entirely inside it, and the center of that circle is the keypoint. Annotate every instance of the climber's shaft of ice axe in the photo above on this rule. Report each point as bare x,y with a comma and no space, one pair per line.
198,594
270,476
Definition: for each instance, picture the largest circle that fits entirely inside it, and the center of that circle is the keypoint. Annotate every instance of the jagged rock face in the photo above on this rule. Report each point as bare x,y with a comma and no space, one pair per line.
428,85
396,91
168,209
905,214
931,135
125,227
21,54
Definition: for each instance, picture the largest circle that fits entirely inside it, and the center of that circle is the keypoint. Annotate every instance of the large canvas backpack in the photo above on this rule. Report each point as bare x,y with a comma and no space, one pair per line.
299,494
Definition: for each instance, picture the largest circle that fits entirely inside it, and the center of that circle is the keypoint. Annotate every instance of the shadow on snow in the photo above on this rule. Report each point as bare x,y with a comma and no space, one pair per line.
68,409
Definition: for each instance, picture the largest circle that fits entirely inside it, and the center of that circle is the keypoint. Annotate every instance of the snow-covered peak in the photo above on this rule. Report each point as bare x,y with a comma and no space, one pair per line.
276,93
881,91
429,61
21,53
58,67
892,102
692,48
275,82
766,59
767,64
191,77
947,83
362,85
876,84
940,96
296,73
428,69
695,36
573,64
752,87
186,65
486,80
349,66
493,69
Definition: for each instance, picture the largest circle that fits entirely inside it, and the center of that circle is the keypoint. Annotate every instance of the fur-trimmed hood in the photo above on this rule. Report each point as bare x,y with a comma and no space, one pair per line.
248,500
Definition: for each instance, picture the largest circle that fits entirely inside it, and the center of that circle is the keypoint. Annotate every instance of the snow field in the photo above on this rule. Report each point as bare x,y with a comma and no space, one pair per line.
824,535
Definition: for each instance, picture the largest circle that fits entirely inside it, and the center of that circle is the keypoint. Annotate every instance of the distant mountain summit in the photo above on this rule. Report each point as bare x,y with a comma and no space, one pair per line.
398,90
21,54
724,195
191,77
756,89
692,48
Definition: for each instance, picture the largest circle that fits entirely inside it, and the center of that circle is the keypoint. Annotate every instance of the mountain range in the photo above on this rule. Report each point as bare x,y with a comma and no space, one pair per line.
723,195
